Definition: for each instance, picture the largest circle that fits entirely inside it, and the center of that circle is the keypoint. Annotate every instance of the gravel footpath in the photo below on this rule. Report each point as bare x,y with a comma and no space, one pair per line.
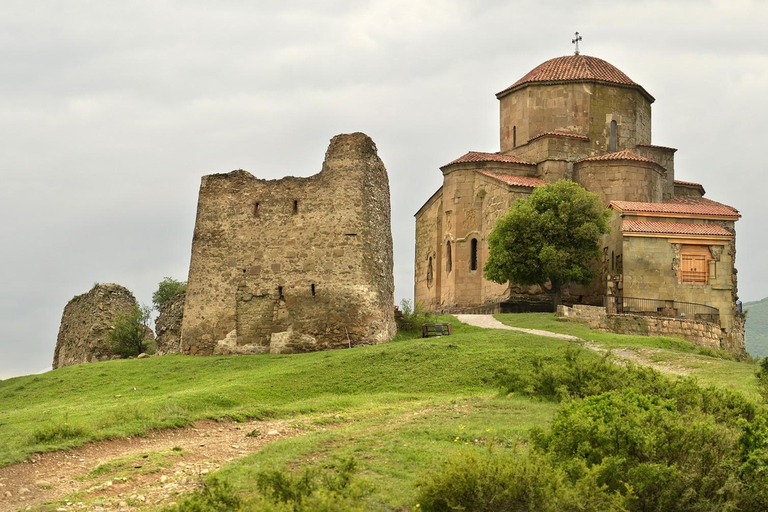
489,322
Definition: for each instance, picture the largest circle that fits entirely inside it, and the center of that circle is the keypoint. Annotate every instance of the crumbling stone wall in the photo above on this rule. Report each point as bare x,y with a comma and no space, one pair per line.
168,325
86,320
295,264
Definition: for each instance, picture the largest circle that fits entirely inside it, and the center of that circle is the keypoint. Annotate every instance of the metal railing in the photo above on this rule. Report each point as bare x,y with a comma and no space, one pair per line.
659,307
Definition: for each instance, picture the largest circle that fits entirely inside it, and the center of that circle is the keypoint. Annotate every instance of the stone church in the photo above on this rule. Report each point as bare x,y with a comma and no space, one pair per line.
580,118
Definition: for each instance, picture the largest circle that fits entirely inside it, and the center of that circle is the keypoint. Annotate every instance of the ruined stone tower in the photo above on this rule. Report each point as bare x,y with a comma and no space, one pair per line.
295,264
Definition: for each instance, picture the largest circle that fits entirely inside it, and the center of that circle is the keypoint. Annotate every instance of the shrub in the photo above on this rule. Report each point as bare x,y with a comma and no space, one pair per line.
166,290
314,490
129,330
672,461
621,431
54,433
498,481
412,317
579,376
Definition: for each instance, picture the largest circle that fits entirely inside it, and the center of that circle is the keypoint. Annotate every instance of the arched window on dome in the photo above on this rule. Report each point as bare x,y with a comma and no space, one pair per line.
514,136
614,135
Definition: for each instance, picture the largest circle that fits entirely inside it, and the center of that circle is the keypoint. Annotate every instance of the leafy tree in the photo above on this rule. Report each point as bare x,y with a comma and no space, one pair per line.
129,331
166,290
551,237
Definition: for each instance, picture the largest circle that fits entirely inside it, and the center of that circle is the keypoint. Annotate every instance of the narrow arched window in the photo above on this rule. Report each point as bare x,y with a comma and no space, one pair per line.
430,273
448,257
514,136
614,135
473,255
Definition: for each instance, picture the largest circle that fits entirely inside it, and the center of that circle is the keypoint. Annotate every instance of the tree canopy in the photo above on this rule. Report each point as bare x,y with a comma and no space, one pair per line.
166,290
549,239
130,330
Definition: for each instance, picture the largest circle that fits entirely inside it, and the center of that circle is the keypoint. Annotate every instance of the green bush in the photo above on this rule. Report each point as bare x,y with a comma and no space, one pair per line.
315,490
127,337
411,318
166,290
580,376
621,431
53,433
671,461
498,481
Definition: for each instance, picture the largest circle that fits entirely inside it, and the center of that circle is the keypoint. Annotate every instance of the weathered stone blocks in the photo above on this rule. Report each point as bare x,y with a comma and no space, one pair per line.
295,264
86,320
168,325
700,333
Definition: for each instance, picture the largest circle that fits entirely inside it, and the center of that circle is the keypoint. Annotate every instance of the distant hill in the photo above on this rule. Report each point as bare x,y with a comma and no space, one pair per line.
756,337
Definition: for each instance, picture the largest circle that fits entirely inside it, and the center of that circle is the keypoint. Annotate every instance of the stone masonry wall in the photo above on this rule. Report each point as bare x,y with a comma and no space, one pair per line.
168,325
654,265
295,264
577,108
86,320
621,180
699,333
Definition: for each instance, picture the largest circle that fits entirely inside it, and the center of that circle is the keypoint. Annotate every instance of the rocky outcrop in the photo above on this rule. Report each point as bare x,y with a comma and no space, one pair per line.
168,325
85,323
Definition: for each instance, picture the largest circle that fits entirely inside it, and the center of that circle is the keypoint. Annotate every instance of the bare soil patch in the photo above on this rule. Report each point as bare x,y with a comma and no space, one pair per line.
134,473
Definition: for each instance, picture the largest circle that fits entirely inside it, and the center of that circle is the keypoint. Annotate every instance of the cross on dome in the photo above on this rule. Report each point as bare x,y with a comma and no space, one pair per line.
576,42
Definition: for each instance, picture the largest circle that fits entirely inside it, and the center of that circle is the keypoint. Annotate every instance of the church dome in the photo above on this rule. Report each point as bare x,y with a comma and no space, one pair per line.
575,68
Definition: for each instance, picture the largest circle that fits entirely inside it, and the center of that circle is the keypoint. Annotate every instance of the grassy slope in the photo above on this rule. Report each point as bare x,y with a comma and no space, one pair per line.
398,408
757,327
708,370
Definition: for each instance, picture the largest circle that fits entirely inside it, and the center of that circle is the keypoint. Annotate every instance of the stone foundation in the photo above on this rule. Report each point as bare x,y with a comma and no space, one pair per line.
703,334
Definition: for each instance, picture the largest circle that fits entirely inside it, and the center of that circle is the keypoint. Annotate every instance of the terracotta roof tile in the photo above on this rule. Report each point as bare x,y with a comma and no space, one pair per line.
673,228
619,155
687,183
680,206
575,68
560,134
519,181
477,156
657,147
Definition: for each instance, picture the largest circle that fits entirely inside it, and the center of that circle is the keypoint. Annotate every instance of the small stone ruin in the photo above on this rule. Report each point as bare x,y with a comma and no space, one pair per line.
86,320
168,325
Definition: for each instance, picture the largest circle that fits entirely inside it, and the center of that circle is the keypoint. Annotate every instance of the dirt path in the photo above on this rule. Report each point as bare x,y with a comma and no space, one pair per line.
641,356
136,472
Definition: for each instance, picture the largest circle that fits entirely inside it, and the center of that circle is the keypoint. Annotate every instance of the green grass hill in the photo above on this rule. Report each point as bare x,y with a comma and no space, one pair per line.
756,335
398,410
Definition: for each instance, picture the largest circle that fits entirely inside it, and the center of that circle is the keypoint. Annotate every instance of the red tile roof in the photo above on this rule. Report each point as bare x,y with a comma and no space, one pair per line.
576,68
673,228
560,134
680,206
687,183
518,181
657,147
476,156
619,155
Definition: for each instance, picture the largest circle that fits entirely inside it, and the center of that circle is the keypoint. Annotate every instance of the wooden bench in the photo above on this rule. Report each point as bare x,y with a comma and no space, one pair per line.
428,330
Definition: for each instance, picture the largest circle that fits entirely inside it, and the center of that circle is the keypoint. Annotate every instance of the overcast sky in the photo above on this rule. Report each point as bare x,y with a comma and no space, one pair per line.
112,111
